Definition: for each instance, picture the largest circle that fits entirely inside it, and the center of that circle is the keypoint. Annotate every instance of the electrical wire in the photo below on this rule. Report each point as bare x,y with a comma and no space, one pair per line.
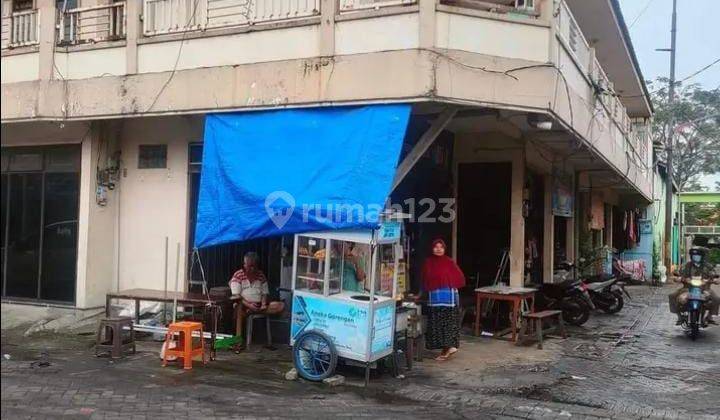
508,73
686,78
699,71
642,12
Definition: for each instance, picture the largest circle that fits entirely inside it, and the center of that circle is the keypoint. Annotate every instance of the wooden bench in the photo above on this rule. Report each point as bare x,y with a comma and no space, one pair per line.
536,319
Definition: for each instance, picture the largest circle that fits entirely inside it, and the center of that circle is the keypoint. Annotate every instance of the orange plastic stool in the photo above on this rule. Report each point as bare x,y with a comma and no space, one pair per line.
185,348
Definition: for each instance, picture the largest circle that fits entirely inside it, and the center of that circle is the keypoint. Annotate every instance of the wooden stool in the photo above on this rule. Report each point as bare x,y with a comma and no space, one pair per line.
537,319
185,348
111,337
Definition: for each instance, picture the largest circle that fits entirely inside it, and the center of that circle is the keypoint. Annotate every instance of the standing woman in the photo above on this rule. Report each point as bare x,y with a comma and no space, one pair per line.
441,280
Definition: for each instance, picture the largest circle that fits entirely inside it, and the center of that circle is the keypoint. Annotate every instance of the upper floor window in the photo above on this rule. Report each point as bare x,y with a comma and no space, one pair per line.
66,4
22,5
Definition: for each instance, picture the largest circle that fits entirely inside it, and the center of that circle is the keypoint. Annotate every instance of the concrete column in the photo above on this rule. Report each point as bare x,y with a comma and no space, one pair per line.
549,233
133,29
328,11
427,23
96,224
547,11
46,38
577,220
87,183
517,221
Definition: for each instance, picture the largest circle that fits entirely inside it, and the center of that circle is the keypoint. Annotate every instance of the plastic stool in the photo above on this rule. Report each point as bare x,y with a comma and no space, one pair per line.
249,328
185,348
114,338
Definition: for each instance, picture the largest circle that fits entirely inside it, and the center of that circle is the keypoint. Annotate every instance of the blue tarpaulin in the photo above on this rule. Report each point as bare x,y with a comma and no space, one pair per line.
281,172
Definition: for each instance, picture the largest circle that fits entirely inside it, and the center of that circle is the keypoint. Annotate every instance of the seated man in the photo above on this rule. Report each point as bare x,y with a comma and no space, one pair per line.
254,291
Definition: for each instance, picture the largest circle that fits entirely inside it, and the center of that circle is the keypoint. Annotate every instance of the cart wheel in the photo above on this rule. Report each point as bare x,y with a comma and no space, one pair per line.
314,355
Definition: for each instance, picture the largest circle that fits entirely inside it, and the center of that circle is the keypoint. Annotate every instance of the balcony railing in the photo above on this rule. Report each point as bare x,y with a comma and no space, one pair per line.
20,29
92,24
349,5
639,139
169,16
569,32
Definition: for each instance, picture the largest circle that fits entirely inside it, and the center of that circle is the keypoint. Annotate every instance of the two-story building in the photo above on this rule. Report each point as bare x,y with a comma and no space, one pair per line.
536,110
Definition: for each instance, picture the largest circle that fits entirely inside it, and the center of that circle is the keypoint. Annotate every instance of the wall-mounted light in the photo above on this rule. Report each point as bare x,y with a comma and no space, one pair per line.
540,122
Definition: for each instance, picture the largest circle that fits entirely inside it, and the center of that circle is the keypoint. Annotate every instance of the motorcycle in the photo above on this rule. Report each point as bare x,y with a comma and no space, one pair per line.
693,306
568,296
606,292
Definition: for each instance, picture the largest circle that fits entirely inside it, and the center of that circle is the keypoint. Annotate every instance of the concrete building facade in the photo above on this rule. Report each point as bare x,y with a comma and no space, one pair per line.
550,88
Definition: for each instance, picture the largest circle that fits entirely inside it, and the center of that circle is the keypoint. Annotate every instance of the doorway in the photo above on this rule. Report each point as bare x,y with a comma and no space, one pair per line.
40,205
483,227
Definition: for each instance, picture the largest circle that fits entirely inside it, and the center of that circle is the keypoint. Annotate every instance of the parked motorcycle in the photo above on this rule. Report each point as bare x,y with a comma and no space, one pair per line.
606,292
567,296
693,305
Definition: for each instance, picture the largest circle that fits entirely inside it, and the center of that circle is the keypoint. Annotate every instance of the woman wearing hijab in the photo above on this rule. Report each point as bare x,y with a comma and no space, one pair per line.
441,280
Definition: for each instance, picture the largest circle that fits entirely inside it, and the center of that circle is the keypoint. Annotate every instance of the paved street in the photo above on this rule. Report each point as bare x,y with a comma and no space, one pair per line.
636,364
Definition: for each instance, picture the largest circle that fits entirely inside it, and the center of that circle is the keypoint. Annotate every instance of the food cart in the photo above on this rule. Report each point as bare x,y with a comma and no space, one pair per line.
344,286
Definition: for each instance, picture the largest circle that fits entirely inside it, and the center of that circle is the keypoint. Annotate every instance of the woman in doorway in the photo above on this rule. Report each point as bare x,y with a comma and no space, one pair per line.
441,280
254,292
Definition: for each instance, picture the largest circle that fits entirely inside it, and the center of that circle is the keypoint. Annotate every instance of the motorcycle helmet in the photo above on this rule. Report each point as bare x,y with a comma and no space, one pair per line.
697,254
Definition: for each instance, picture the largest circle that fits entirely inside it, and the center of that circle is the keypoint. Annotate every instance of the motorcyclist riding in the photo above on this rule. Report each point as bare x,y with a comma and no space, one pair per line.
697,266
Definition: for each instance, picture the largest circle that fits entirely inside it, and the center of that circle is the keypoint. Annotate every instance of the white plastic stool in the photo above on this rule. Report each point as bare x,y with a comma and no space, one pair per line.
249,327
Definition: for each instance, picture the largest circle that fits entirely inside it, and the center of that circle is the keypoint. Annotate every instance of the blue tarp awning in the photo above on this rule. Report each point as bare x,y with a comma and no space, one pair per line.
283,172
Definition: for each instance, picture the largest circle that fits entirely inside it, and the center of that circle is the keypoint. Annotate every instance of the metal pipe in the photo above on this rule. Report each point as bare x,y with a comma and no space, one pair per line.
177,277
166,281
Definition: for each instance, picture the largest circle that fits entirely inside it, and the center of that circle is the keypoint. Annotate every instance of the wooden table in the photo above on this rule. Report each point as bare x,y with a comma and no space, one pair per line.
210,304
515,295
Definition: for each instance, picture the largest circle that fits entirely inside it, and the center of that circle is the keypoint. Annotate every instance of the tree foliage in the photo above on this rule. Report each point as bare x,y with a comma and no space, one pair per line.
697,129
702,214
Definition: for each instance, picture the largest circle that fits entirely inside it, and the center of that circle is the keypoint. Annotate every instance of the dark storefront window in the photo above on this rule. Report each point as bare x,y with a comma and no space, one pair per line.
40,195
152,156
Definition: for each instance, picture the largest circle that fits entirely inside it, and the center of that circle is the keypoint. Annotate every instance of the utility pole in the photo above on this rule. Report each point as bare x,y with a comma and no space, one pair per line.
670,144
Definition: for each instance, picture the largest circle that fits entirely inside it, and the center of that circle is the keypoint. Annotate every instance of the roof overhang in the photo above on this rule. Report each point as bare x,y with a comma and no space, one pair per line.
614,51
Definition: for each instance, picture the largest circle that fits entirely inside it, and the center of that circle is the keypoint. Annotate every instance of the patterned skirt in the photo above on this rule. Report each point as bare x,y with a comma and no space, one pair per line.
443,328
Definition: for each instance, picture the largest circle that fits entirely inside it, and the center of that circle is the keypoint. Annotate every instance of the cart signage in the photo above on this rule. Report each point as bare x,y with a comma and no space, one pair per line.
389,232
383,329
346,324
